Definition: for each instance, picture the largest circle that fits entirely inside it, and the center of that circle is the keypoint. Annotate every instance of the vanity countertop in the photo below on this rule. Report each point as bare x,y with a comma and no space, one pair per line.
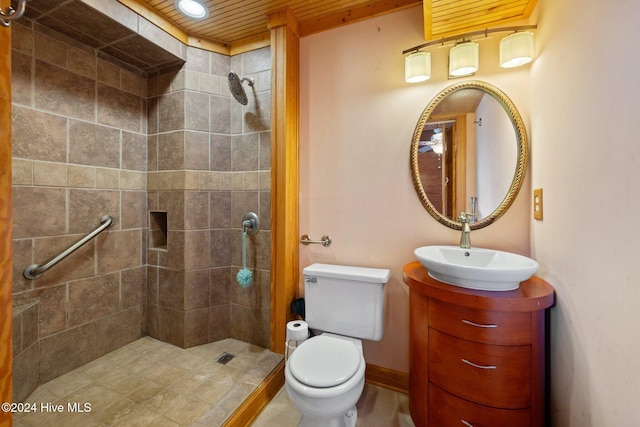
533,294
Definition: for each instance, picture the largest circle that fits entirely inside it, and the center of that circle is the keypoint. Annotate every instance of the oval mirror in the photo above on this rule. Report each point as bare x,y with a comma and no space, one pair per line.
469,154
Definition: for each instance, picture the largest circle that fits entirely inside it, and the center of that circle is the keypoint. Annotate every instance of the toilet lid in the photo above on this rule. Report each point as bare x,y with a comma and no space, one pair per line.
324,361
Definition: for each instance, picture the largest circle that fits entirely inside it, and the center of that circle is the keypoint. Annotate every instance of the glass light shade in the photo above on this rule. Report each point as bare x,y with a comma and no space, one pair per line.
437,148
192,8
417,67
463,59
516,49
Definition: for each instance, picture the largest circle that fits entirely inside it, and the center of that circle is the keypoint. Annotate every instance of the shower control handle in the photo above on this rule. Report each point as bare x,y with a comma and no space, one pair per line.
250,223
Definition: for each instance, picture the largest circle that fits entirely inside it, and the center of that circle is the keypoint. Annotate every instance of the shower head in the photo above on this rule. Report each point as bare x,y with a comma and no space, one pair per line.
236,89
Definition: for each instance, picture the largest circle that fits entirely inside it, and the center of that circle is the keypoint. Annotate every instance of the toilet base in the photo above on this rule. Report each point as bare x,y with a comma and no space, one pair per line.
327,407
347,420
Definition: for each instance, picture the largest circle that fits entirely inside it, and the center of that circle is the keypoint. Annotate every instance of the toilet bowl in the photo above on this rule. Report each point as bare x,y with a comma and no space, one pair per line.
324,378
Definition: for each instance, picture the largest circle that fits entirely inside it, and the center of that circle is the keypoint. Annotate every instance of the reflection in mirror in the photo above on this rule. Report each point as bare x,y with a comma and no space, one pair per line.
468,154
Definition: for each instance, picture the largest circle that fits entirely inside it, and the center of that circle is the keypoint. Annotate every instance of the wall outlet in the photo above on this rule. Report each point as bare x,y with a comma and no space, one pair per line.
537,203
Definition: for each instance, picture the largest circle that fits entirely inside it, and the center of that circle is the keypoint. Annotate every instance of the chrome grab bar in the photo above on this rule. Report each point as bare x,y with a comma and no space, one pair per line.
36,270
324,241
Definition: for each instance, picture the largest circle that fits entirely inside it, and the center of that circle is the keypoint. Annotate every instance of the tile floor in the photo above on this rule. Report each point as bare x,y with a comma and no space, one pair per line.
148,382
378,407
151,383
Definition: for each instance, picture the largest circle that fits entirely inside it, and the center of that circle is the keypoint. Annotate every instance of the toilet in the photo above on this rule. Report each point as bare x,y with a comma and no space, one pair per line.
324,376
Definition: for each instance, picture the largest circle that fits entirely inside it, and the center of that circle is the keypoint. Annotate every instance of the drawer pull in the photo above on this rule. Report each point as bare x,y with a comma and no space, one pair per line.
479,325
479,366
466,423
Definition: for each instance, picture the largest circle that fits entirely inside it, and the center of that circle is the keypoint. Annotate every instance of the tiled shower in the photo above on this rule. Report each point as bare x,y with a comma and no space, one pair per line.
165,150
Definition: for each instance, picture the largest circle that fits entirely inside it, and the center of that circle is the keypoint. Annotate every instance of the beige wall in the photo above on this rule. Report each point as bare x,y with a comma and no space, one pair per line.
581,103
584,108
357,119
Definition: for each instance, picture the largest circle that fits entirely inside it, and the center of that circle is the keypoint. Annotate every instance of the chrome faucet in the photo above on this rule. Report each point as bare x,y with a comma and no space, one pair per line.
465,239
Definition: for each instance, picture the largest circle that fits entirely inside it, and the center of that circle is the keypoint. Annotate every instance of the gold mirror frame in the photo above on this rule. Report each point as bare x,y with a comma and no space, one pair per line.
521,140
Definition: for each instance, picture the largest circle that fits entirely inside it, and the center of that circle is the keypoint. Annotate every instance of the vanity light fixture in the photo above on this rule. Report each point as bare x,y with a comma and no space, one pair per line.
515,50
192,8
463,59
417,67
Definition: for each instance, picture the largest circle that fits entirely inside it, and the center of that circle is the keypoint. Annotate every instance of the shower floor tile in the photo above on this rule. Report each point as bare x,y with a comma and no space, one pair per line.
149,382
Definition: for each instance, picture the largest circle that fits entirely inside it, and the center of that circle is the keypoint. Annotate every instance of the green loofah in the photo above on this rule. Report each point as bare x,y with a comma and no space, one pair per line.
244,276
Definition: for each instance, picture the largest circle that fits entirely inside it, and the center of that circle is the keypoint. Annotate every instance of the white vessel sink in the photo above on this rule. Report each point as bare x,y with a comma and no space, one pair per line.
476,268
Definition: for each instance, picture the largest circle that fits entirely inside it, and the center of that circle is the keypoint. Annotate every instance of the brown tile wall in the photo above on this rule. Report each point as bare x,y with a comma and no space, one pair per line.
209,163
26,350
79,150
251,184
91,138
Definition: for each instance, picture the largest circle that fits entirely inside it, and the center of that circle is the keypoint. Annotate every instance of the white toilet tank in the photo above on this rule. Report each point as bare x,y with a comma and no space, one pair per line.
345,300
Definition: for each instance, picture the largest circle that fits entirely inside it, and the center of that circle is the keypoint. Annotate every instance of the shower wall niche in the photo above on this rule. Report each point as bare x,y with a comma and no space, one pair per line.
171,155
158,230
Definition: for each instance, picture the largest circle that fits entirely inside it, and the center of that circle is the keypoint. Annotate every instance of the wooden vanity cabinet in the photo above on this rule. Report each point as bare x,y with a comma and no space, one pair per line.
477,358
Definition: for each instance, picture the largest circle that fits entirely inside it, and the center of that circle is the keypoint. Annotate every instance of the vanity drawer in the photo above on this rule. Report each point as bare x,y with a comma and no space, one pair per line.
492,375
492,327
446,410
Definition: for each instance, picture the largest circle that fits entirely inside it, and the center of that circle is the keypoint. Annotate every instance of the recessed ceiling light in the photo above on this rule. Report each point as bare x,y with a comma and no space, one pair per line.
192,8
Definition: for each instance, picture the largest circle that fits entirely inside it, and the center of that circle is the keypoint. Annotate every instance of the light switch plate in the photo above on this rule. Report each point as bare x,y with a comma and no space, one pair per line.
537,203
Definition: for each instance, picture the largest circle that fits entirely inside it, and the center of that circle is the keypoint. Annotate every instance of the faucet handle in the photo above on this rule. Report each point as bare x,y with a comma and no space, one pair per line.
464,217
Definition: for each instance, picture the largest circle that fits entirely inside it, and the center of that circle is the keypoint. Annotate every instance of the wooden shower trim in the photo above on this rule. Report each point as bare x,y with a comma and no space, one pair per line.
5,224
250,409
285,100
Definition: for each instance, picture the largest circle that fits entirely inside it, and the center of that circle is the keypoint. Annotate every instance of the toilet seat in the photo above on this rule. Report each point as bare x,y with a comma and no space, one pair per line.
324,361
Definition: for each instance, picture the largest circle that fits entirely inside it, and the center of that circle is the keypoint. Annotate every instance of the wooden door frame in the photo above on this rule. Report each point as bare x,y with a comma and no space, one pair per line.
285,119
6,309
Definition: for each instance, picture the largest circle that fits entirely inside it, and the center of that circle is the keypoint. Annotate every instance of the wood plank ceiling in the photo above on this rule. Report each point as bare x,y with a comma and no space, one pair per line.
234,23
451,17
234,20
